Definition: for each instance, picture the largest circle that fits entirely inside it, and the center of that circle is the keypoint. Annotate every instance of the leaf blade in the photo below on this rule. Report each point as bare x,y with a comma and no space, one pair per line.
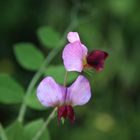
10,91
33,127
28,56
15,131
48,37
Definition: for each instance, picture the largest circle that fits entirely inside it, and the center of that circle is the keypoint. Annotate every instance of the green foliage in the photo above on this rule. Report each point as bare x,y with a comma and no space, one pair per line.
15,131
28,56
33,102
10,91
48,37
31,129
58,72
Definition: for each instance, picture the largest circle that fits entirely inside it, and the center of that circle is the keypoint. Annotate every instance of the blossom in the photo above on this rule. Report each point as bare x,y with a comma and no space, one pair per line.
76,57
51,94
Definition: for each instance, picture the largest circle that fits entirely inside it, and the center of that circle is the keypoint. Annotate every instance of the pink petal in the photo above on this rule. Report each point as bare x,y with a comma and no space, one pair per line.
73,57
73,36
50,93
79,92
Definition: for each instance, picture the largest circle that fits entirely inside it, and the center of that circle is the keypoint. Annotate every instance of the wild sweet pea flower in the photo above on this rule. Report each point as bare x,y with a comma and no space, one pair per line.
51,94
76,57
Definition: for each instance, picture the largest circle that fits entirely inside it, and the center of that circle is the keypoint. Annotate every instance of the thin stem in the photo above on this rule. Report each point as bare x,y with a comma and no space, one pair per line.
2,132
65,79
46,62
51,116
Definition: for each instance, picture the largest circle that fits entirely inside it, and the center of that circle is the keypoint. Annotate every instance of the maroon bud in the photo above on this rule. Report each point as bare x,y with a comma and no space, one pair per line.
66,112
96,59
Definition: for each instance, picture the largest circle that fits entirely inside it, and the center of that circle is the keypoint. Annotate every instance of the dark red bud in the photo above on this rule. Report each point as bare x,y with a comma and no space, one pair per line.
66,112
96,59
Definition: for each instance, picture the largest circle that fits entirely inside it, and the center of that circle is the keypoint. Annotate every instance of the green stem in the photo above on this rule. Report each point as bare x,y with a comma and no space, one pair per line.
46,62
2,133
65,79
49,118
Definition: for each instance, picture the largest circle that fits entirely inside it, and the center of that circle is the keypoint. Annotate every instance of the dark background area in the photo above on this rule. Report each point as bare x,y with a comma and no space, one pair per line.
111,25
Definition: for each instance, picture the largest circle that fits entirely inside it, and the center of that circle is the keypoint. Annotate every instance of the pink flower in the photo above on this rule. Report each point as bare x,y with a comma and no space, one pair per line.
76,57
51,94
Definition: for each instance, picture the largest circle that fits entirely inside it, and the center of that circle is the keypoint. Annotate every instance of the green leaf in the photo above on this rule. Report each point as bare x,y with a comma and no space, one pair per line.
33,102
58,73
28,56
15,131
33,127
48,37
10,90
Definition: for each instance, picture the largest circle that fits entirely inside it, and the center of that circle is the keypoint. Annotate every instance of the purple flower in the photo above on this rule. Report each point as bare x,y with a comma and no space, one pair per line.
51,94
76,57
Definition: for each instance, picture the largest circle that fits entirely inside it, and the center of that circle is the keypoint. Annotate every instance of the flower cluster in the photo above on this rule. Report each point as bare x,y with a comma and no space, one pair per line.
76,58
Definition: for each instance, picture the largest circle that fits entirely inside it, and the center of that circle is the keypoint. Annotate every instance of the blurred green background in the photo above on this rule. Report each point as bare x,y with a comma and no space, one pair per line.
113,113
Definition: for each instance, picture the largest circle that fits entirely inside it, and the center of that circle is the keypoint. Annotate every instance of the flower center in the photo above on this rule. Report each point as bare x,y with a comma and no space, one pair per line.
66,111
84,61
